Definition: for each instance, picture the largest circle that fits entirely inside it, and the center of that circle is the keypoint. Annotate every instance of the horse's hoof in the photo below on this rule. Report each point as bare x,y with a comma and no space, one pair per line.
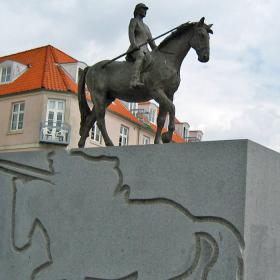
157,141
166,138
109,144
81,144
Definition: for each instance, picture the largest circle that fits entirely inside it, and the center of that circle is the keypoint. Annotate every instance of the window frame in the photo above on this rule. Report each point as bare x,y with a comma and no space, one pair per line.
185,132
95,131
56,111
146,138
17,113
153,114
5,73
55,124
133,107
123,136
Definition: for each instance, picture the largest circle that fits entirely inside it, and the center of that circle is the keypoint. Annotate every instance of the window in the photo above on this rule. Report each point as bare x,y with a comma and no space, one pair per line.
152,115
146,140
55,112
11,70
55,119
185,133
96,134
132,107
17,116
123,140
6,74
72,69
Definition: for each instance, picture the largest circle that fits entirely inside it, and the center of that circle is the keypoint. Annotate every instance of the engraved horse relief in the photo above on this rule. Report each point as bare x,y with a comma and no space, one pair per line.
93,230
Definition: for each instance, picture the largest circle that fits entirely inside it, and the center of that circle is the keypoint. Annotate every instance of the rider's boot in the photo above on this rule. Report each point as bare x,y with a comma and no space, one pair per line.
135,81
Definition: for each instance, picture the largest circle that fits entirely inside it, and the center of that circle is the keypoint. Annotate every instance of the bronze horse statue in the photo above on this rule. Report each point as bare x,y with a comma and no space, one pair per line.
161,79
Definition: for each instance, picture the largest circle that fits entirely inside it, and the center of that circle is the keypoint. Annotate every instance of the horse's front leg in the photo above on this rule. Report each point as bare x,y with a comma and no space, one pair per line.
166,105
160,124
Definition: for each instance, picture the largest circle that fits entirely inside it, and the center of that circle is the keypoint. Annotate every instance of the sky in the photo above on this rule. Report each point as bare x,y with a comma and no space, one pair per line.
236,95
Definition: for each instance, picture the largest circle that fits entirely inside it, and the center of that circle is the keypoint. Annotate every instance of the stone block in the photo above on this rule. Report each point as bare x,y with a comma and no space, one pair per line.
196,211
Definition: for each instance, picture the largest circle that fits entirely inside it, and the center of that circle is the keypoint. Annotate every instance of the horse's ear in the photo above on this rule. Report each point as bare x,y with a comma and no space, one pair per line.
201,22
209,30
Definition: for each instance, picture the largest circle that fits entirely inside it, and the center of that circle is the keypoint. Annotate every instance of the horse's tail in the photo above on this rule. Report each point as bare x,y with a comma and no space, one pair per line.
83,105
218,229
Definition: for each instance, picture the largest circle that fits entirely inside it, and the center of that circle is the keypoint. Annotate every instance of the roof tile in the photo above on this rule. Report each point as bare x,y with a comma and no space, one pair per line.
43,71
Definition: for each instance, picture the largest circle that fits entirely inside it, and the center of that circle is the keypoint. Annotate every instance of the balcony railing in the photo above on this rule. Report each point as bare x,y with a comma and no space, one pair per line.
193,139
55,133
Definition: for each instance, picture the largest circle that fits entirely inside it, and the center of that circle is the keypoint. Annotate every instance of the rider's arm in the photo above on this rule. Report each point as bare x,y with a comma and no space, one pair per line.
131,33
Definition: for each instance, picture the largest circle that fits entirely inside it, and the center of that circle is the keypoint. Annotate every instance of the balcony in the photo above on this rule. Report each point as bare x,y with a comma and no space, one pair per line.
193,139
55,133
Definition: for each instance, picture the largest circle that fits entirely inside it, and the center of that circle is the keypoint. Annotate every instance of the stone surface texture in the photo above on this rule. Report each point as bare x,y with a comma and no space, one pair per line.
194,211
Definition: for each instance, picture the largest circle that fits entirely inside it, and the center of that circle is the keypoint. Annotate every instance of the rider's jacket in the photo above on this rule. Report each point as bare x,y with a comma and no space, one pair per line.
139,33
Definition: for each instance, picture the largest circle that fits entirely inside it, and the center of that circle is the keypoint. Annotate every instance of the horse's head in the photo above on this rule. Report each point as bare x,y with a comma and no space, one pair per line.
200,40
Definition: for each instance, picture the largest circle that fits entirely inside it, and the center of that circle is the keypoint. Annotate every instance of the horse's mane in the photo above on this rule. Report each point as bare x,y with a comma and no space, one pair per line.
181,29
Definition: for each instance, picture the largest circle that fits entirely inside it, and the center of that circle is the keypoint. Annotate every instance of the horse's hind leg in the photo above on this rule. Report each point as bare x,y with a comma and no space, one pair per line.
90,120
100,104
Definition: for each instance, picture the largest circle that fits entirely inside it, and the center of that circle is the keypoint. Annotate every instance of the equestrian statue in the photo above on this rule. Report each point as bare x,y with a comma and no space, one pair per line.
143,76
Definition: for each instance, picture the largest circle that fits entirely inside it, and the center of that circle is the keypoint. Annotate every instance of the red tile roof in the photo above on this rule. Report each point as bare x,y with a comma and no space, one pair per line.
118,108
44,71
175,137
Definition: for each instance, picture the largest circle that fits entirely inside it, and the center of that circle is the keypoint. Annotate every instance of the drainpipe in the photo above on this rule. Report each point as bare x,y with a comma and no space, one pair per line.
138,134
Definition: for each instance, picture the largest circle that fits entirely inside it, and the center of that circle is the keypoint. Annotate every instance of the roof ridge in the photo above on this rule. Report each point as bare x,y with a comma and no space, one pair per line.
56,49
26,51
58,68
45,66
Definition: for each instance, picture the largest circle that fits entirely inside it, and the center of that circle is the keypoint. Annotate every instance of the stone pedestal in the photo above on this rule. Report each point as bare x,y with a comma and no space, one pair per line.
195,211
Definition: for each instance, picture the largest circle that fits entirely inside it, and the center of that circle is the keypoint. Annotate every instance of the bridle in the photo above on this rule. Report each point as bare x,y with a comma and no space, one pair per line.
199,49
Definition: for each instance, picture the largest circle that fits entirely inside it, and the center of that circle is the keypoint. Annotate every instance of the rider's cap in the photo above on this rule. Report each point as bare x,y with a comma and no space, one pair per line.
141,5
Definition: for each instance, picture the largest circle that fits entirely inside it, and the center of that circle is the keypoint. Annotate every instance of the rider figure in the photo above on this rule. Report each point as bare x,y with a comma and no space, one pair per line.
139,33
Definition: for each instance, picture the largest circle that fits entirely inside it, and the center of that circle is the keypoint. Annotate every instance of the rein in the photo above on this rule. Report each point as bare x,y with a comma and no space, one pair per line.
166,52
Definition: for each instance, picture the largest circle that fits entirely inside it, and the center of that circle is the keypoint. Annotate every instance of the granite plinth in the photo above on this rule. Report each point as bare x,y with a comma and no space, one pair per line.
195,211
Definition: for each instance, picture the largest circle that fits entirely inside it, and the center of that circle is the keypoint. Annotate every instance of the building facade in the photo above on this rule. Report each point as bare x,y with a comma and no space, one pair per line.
39,107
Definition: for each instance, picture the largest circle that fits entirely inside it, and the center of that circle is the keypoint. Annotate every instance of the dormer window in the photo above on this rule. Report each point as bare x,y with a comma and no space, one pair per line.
185,132
11,70
6,74
72,69
153,113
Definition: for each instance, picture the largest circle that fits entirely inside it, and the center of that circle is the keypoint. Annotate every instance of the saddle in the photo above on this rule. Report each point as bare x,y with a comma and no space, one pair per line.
148,61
